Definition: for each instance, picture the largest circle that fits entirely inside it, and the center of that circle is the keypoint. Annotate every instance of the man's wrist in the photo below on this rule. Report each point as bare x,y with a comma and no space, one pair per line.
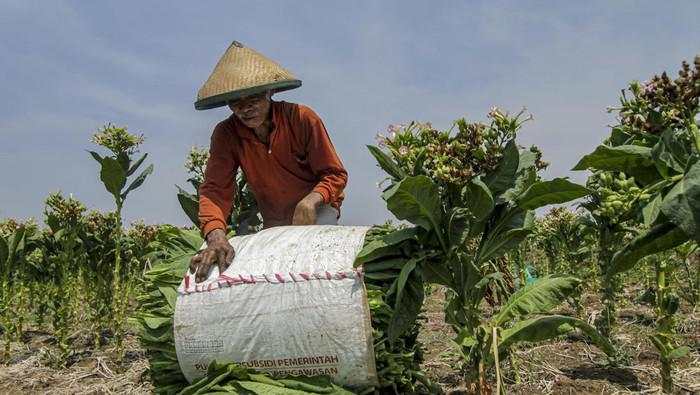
215,234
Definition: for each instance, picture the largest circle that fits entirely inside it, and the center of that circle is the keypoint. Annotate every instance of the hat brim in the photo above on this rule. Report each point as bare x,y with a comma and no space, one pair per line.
222,99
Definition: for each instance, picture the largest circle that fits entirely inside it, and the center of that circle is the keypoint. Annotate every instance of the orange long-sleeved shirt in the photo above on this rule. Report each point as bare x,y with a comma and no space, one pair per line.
300,158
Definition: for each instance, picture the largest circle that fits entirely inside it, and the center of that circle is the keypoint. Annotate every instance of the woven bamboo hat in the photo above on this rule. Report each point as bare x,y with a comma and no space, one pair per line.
241,72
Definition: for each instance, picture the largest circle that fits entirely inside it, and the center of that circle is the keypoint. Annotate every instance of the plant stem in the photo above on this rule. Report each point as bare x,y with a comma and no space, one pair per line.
494,343
116,292
664,325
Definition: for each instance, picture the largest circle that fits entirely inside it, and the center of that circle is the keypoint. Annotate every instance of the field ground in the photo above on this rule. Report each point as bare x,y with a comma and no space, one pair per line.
567,366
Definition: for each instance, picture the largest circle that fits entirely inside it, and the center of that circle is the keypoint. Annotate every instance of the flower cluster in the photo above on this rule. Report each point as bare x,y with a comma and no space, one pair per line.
142,233
97,222
196,162
118,140
558,220
475,149
63,211
11,225
662,103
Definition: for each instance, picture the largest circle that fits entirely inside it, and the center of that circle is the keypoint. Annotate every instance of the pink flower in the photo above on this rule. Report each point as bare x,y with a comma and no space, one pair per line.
393,128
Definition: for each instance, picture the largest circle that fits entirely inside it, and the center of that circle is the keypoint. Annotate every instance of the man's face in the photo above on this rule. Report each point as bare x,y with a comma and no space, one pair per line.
252,110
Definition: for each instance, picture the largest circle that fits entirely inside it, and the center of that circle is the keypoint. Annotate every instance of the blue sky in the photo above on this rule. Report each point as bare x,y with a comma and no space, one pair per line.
67,67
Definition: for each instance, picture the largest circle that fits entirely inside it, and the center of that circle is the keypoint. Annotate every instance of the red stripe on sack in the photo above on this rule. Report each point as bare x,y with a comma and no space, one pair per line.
227,278
187,281
279,277
343,275
328,275
252,279
305,276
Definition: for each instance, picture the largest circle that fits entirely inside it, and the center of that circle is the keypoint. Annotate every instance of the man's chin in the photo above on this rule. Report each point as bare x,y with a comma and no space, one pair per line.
253,125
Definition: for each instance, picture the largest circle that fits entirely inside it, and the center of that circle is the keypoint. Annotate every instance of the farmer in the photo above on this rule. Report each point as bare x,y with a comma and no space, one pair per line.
283,149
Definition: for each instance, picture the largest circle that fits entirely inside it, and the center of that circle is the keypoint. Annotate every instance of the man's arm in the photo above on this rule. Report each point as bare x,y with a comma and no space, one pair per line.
323,159
324,163
215,202
217,191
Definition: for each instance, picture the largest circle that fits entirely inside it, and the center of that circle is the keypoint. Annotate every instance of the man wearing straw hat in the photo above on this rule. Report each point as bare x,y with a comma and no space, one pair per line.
283,149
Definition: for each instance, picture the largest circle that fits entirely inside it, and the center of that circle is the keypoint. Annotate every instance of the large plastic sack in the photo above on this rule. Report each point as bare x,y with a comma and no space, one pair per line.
291,303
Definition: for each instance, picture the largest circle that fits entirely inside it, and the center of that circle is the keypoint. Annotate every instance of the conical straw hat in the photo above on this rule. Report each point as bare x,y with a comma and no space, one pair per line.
242,72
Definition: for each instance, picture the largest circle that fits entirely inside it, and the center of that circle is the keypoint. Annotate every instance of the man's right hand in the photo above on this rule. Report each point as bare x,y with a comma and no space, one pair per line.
219,251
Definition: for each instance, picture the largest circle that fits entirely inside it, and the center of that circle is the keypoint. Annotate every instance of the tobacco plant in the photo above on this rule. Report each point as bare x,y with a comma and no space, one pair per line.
115,169
656,146
12,251
470,196
244,218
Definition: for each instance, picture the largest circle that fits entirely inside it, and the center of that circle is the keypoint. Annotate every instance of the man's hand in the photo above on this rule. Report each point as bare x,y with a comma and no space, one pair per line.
218,252
305,212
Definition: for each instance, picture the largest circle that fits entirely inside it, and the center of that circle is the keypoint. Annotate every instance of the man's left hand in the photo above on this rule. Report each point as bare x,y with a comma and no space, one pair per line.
305,212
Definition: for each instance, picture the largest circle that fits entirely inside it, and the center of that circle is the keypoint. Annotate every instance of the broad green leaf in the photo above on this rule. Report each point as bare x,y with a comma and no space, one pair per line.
458,226
112,176
679,352
618,137
124,161
504,175
4,252
136,165
508,227
256,388
544,328
524,180
621,158
156,322
538,297
682,204
558,190
170,294
479,199
502,243
652,209
15,245
138,180
437,274
189,204
406,271
386,245
379,266
381,275
416,200
317,384
527,160
386,163
97,156
670,154
659,238
408,305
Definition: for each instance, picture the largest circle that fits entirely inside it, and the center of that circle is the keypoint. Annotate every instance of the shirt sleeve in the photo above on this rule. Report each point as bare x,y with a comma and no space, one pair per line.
324,161
219,187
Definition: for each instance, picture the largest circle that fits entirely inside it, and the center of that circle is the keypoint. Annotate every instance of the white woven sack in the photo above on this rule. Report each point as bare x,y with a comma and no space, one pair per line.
289,304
